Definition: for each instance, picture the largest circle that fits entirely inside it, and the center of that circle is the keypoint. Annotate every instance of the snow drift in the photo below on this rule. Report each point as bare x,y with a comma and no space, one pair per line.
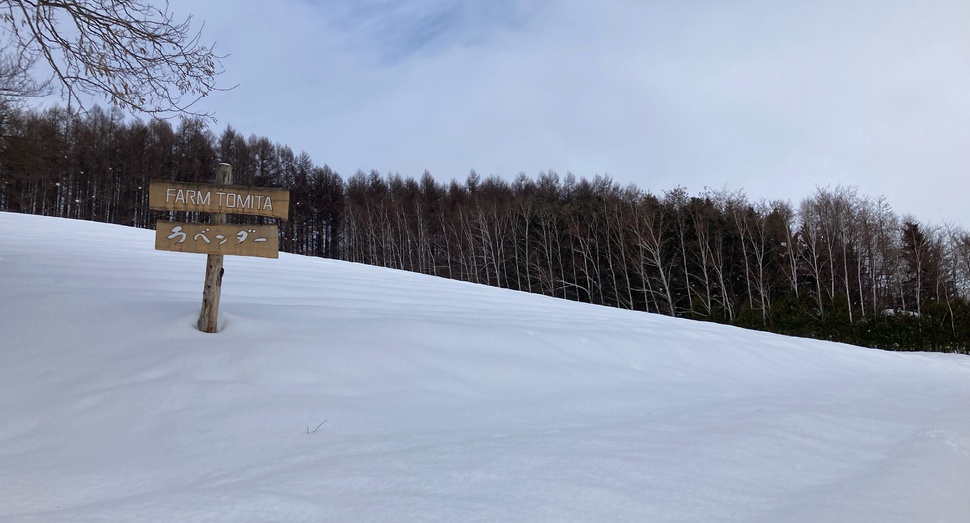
340,392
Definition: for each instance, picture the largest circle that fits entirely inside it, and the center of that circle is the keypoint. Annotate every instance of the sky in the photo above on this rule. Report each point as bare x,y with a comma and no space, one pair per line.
773,98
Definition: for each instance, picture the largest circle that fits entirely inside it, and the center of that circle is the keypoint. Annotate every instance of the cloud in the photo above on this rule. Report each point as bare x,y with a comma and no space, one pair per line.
756,95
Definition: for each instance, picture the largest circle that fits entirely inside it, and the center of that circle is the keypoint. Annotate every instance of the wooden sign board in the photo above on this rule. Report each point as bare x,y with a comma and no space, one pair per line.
239,240
227,199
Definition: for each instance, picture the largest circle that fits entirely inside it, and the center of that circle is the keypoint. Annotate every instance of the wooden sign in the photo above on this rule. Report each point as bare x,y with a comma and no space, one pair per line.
217,238
239,240
226,199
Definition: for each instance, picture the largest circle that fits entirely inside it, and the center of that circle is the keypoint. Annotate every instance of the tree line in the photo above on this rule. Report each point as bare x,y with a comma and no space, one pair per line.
838,265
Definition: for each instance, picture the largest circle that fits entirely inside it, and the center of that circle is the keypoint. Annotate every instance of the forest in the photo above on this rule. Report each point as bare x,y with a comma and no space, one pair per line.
837,265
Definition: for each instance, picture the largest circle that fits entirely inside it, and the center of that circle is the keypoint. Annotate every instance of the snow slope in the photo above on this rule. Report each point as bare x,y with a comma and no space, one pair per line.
340,392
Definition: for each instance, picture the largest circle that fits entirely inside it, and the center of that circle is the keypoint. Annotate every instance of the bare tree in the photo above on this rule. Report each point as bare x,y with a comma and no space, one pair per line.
131,51
678,201
720,257
789,246
738,207
651,234
15,78
920,254
700,213
759,234
811,238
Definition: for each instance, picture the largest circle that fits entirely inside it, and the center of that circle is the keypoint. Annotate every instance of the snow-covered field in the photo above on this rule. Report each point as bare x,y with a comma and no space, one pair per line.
340,392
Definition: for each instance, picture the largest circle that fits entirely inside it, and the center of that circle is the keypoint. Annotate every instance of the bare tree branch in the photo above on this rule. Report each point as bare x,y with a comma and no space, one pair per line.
130,51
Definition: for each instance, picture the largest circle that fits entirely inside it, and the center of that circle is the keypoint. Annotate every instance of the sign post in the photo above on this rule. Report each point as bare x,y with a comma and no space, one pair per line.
217,239
212,290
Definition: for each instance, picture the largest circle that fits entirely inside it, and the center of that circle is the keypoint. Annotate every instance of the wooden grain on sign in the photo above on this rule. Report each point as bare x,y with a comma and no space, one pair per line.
237,240
228,199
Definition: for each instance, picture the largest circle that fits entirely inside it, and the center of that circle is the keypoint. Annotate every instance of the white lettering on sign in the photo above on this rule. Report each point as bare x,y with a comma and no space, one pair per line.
237,240
226,200
231,200
187,196
241,236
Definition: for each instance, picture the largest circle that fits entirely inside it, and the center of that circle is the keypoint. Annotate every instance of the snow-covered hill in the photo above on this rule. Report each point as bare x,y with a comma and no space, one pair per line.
340,392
